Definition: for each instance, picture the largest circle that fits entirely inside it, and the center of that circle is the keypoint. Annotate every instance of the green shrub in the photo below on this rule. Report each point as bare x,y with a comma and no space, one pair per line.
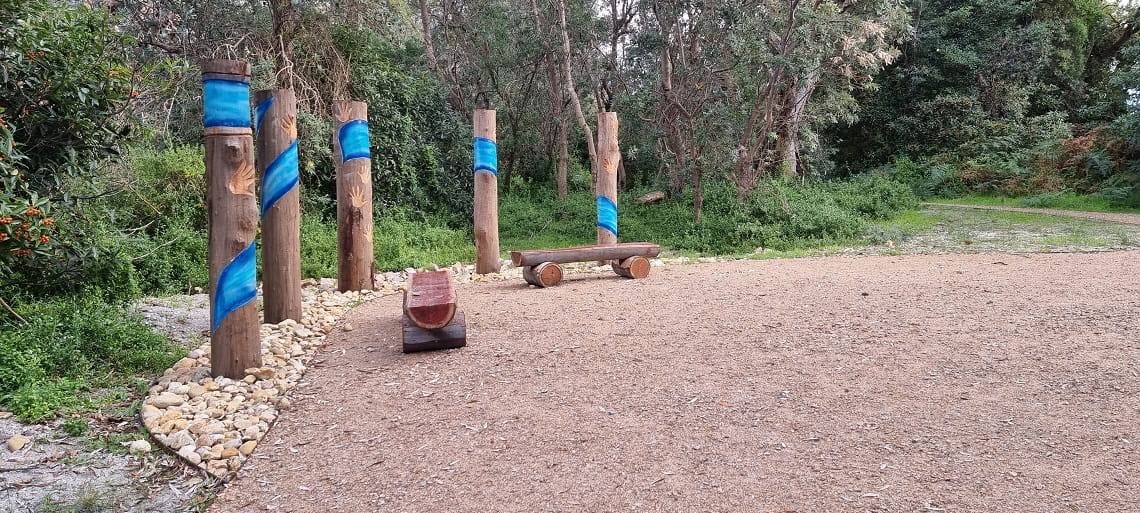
69,345
76,426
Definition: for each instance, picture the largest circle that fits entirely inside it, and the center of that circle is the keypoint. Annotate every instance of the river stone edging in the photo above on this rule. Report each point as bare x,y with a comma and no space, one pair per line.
215,424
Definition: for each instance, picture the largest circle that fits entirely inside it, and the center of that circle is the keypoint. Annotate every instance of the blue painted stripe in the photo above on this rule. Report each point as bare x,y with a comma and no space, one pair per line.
486,156
259,112
237,285
353,137
225,103
281,176
607,215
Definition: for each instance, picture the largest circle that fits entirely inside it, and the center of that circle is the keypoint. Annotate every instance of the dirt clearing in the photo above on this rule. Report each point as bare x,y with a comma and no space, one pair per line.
988,382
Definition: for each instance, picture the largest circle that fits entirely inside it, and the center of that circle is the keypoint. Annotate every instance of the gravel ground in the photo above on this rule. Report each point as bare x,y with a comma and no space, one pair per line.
982,382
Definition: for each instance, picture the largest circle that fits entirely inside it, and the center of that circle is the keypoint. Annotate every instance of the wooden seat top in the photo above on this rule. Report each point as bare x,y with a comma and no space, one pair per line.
585,253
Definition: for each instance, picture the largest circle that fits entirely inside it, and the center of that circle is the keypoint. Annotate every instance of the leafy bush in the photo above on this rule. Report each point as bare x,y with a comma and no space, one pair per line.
162,203
70,345
421,150
777,215
64,86
65,82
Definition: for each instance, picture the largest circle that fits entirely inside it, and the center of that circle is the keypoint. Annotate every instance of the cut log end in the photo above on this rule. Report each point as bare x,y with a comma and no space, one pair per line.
633,267
430,300
546,274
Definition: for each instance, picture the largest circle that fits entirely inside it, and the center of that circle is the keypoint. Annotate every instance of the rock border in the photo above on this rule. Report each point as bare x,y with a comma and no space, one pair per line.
215,424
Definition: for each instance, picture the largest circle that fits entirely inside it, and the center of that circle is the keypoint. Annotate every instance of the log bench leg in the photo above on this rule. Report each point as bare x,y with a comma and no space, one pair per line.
546,274
632,267
451,336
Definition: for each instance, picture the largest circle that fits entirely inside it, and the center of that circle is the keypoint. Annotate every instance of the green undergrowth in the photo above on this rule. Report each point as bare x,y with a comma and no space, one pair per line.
73,354
780,217
1054,200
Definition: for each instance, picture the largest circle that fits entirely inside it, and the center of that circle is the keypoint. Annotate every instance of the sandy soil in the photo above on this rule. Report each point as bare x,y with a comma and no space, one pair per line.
1103,216
988,383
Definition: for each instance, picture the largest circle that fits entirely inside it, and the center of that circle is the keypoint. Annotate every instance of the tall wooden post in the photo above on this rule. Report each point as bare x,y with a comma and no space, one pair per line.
608,158
486,194
275,121
235,342
355,260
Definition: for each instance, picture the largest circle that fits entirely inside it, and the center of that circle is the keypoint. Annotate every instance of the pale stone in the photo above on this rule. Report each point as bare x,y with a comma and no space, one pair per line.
214,428
149,411
249,379
247,448
284,403
195,390
347,327
213,453
232,443
208,440
187,452
166,400
197,427
17,442
262,372
250,433
170,415
162,428
229,452
180,439
139,447
217,468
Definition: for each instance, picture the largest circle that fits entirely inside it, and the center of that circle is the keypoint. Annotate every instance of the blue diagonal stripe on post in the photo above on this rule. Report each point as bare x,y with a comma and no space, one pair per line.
225,103
281,176
486,156
237,285
353,137
259,112
607,215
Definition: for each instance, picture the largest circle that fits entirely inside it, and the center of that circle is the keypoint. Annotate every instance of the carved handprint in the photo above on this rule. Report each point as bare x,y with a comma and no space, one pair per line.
289,126
241,182
356,196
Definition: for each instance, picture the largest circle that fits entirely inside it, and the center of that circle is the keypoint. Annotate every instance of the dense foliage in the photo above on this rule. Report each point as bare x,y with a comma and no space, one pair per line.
1007,97
743,111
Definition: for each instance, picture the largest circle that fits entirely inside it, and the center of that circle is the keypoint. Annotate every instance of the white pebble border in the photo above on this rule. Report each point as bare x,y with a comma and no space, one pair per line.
216,423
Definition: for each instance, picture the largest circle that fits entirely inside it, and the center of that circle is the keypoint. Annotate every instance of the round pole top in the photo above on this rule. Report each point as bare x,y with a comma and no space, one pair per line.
226,67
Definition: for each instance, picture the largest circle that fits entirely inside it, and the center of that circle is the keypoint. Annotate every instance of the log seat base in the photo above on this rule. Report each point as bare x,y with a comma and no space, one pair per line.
451,336
540,267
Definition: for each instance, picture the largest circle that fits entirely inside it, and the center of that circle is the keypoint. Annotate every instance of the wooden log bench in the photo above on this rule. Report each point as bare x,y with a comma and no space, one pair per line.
430,317
628,259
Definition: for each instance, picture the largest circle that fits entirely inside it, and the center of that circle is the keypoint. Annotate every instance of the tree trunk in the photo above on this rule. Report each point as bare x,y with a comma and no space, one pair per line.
796,111
280,10
698,193
571,90
562,149
429,47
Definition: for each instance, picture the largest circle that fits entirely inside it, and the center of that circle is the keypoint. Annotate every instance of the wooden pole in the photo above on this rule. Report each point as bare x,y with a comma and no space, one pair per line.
608,158
355,260
275,121
232,214
486,194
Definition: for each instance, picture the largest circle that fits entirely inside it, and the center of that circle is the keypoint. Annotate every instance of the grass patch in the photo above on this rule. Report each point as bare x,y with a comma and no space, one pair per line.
1054,200
71,347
